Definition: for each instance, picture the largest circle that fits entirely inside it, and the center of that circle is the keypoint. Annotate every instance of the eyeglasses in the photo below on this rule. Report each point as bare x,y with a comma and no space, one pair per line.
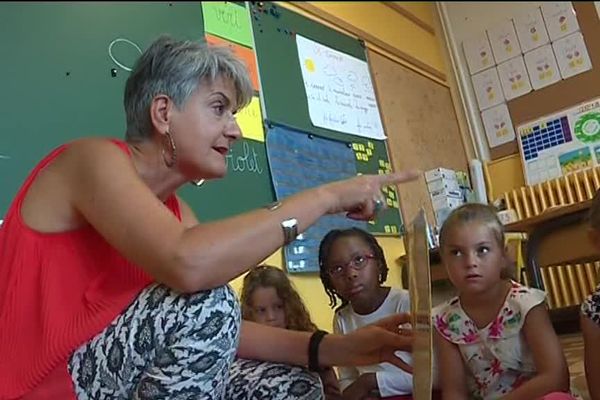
358,262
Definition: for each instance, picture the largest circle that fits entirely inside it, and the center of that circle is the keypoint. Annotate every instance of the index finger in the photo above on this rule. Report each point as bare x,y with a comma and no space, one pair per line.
399,177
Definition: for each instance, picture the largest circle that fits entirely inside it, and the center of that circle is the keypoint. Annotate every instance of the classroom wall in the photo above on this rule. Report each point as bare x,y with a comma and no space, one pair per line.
461,20
405,31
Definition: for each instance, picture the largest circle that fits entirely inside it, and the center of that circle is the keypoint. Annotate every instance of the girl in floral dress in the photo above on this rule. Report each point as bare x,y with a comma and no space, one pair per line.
495,339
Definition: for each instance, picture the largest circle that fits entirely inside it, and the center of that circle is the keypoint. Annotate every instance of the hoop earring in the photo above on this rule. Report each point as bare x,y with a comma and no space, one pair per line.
170,161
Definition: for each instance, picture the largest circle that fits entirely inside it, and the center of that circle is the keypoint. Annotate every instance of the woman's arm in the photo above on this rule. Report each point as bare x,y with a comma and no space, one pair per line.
105,189
453,379
371,344
591,338
552,373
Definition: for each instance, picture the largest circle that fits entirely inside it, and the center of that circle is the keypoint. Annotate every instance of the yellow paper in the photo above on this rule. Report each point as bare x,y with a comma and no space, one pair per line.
250,121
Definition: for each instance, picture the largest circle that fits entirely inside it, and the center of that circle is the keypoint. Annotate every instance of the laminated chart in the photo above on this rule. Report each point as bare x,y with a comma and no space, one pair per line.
300,161
558,144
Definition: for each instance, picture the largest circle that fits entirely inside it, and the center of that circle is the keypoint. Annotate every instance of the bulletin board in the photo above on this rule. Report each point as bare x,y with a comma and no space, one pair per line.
565,93
422,128
284,95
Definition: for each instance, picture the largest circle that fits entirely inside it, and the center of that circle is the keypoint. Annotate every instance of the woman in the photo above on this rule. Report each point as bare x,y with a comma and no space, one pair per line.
109,285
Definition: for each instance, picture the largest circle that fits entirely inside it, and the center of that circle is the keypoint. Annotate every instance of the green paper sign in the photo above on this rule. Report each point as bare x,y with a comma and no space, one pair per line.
227,20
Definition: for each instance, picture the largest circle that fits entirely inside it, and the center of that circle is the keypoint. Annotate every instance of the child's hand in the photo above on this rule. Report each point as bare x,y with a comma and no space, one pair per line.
362,388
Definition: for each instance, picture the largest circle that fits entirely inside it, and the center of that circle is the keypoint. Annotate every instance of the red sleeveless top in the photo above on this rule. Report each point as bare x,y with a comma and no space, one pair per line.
57,291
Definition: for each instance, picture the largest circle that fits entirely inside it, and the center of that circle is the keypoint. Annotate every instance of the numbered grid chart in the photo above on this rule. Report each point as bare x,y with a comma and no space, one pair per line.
300,161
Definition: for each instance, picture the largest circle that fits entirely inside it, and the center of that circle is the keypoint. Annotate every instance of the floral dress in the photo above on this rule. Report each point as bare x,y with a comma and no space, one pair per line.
497,357
591,306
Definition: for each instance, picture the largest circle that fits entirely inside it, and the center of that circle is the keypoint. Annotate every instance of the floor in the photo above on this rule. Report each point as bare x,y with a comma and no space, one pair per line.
573,348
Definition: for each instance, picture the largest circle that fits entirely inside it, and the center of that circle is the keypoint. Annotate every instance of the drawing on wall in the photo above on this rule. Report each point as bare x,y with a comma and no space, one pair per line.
514,78
133,50
339,90
503,40
487,89
478,53
498,125
560,19
531,30
542,67
572,55
560,143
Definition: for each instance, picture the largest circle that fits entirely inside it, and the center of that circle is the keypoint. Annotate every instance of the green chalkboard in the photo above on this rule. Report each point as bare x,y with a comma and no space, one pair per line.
284,94
58,85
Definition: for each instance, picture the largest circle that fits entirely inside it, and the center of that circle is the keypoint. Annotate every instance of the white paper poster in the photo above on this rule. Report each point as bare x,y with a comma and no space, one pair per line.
339,90
542,67
572,55
597,4
531,30
478,53
560,19
503,40
487,88
514,78
498,126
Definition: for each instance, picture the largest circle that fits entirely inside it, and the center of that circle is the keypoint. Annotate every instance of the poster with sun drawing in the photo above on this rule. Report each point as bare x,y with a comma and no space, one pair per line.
339,90
560,143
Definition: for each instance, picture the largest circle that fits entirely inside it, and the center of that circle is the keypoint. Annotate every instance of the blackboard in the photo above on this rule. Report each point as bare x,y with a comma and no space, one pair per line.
284,95
58,85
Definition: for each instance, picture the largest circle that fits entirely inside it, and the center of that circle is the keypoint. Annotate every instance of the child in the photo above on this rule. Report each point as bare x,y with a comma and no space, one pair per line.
269,298
495,339
353,269
590,310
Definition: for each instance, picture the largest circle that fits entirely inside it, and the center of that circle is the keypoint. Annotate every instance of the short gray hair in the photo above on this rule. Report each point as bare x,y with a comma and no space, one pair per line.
176,69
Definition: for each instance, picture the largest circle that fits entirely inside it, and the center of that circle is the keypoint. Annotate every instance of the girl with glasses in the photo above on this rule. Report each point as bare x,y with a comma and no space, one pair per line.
353,270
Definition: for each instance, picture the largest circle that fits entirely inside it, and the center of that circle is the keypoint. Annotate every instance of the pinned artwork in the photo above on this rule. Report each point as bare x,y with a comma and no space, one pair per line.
478,53
503,40
572,55
560,19
514,78
498,125
531,30
542,67
487,88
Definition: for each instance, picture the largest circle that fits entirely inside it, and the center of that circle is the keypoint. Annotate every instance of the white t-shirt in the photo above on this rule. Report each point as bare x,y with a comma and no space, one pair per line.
391,380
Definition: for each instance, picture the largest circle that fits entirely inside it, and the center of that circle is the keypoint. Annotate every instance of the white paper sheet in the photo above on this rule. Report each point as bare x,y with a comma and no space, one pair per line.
514,78
487,88
531,30
560,19
339,90
542,67
478,53
503,39
572,55
498,125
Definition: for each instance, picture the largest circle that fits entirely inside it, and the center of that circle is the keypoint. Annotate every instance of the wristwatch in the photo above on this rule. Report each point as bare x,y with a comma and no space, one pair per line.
289,226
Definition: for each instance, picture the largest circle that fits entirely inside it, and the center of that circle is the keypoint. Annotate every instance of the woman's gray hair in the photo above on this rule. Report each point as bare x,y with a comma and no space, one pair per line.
176,69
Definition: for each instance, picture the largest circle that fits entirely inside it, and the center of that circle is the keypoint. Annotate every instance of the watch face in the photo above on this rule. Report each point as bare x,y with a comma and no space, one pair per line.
290,223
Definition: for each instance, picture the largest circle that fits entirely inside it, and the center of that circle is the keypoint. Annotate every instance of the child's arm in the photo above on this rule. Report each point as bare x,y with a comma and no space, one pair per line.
552,373
453,378
347,375
591,338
